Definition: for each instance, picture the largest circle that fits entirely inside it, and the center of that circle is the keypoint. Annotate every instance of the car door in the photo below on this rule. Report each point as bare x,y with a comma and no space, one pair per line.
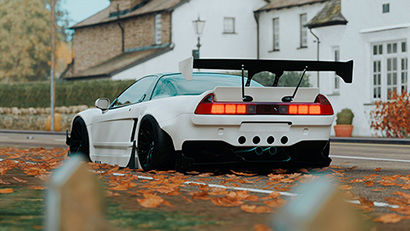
112,129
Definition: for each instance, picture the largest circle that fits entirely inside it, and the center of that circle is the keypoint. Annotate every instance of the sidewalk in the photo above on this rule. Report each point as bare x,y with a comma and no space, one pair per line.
370,140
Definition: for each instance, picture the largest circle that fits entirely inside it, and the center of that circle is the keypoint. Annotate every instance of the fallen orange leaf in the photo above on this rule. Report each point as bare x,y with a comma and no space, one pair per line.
345,187
152,201
357,180
186,199
280,171
276,203
6,190
111,194
19,180
3,182
244,174
272,195
377,169
389,218
369,183
226,201
256,209
37,187
202,195
260,227
378,189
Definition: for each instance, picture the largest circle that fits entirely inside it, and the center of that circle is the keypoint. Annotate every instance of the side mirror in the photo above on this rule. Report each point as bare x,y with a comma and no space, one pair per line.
102,103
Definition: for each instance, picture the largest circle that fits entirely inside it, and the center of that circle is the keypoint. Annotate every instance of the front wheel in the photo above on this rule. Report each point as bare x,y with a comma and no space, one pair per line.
79,143
155,148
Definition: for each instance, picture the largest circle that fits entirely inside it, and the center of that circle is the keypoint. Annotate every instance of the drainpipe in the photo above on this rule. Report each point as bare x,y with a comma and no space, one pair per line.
256,15
318,42
121,27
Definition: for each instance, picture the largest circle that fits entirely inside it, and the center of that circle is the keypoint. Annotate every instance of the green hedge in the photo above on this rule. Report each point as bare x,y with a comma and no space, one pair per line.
68,93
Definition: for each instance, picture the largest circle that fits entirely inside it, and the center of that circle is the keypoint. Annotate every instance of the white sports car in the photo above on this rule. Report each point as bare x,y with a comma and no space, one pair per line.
167,121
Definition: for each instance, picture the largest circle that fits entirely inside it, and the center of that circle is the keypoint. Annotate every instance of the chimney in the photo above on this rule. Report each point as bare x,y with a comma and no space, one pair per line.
125,5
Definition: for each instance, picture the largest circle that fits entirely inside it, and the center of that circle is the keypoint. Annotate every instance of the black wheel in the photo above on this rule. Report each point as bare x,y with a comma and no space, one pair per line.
79,143
155,148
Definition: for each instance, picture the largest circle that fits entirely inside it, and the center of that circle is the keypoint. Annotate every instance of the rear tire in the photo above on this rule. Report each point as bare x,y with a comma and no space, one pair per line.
155,147
79,143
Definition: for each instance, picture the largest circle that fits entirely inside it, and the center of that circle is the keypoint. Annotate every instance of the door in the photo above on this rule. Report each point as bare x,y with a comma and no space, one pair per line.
112,129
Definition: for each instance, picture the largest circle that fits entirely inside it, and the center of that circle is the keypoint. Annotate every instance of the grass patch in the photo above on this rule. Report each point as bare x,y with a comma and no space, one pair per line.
154,220
24,209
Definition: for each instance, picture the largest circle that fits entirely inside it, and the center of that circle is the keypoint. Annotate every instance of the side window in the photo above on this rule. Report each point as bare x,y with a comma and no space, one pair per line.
164,88
136,93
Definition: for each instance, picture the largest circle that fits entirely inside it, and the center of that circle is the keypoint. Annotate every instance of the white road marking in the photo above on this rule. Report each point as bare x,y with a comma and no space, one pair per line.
377,204
369,158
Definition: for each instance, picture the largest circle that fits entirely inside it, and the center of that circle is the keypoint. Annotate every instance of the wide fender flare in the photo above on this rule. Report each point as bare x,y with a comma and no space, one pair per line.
87,115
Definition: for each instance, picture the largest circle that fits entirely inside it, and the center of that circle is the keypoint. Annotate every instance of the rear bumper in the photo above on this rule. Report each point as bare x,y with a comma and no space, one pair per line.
305,153
248,131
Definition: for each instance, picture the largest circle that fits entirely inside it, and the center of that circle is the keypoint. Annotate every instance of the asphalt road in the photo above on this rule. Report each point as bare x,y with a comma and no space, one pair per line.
383,160
32,139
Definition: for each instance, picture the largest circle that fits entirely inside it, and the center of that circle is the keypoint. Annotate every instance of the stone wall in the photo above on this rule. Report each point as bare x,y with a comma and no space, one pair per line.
35,118
96,44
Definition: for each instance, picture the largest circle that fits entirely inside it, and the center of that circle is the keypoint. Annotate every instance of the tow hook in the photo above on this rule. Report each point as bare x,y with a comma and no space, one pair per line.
67,138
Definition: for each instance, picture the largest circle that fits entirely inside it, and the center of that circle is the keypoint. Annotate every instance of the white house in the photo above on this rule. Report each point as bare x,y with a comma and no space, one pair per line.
229,31
373,33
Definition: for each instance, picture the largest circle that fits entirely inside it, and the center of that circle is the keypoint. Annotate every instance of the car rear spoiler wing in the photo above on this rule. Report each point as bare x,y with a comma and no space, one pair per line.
253,66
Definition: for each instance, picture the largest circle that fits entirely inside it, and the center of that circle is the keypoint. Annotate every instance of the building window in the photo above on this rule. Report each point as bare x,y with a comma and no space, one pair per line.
389,69
157,29
336,55
386,8
276,34
229,25
303,31
404,74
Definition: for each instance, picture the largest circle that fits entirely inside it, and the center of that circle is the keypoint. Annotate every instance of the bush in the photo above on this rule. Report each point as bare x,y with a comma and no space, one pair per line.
392,118
345,117
67,93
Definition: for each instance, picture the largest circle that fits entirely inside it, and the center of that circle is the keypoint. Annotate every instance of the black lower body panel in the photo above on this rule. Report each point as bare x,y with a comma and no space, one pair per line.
304,153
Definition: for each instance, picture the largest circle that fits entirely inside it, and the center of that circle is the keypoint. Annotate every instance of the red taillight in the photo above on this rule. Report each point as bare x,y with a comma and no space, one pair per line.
321,106
325,106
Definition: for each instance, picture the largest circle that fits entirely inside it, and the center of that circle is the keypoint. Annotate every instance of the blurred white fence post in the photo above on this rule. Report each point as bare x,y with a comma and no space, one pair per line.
75,199
319,206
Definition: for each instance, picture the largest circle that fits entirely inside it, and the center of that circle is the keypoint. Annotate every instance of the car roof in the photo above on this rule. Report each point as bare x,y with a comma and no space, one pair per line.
199,74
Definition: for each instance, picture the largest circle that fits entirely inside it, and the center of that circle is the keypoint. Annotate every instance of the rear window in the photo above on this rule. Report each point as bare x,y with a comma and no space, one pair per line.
173,85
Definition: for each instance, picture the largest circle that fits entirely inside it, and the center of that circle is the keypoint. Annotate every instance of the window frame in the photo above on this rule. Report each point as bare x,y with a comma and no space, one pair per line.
336,81
302,31
389,68
386,8
276,34
229,19
157,29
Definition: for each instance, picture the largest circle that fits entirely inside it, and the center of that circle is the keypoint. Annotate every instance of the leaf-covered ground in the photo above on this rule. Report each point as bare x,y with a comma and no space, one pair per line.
170,200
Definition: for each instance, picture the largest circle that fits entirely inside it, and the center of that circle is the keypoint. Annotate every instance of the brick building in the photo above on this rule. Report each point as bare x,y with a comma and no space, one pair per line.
123,34
130,38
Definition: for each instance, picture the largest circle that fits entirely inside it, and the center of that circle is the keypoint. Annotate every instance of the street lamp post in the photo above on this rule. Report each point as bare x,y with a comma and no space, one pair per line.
52,85
199,28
